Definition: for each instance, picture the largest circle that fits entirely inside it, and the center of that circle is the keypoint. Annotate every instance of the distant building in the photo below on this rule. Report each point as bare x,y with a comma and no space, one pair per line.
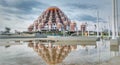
83,27
53,19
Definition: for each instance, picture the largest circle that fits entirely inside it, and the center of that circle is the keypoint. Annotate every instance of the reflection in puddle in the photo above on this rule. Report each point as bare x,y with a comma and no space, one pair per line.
40,53
7,46
52,54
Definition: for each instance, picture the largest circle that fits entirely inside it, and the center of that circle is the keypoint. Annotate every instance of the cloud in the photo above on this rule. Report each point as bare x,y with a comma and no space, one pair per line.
23,4
7,18
20,6
83,6
85,17
88,18
19,11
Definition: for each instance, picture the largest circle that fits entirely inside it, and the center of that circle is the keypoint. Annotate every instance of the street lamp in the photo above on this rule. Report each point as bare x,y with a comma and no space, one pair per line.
115,19
87,28
109,27
97,23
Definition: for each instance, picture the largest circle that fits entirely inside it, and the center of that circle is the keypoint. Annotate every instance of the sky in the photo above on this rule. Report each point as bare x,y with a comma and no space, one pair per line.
19,14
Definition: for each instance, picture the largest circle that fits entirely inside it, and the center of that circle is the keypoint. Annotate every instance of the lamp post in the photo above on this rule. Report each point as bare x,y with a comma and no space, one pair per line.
82,31
116,16
97,23
77,31
88,32
109,26
114,19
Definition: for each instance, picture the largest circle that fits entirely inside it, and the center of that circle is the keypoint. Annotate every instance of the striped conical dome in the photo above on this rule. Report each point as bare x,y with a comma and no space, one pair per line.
50,18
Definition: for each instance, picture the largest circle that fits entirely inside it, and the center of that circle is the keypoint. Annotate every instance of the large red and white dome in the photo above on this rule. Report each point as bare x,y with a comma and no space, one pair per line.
51,19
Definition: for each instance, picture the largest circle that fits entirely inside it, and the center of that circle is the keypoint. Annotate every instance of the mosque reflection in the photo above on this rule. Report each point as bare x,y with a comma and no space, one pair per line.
50,53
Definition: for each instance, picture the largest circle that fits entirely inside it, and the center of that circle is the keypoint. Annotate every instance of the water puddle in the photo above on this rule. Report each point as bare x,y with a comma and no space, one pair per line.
50,53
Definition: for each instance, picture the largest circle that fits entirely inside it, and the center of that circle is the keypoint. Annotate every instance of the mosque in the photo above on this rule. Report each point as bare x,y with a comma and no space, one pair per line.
52,19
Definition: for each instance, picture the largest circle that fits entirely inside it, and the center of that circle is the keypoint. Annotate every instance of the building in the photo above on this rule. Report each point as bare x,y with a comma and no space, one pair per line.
52,19
83,27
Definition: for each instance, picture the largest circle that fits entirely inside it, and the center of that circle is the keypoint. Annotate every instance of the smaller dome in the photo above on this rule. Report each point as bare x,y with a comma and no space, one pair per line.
59,25
40,24
36,23
50,22
65,22
73,23
31,26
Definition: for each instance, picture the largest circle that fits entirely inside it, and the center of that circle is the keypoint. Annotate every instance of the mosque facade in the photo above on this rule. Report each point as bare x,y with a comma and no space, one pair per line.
52,19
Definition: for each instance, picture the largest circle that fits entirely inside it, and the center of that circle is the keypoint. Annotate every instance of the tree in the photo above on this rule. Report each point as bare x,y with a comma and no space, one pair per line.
7,30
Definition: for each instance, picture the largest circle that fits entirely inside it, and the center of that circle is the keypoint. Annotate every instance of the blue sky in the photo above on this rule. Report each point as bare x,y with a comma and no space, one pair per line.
19,14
